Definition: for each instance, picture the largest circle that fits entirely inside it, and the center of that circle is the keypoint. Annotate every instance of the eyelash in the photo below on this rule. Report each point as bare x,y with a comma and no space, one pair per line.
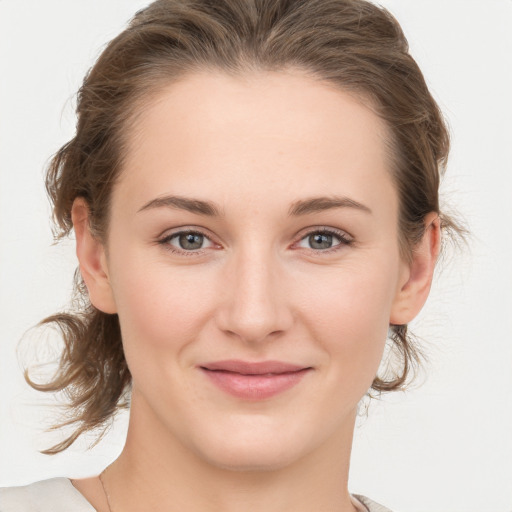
344,240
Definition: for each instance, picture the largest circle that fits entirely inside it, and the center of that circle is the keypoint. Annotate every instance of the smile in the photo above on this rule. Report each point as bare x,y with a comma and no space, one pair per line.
254,381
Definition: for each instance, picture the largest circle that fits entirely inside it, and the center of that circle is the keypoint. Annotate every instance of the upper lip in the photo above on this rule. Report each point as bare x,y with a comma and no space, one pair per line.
252,368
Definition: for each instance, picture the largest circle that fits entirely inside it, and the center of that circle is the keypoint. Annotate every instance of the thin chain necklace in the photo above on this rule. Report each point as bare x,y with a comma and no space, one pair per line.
105,489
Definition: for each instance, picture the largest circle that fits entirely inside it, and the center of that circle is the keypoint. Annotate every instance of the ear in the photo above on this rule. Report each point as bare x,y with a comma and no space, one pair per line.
417,276
92,258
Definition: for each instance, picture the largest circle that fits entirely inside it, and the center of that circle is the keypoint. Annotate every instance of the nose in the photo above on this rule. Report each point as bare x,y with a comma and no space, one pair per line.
255,307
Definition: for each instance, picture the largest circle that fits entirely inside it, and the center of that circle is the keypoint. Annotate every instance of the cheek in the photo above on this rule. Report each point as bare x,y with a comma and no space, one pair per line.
348,315
160,308
162,312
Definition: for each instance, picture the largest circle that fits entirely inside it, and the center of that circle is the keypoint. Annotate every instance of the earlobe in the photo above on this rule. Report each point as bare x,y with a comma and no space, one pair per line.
92,258
413,293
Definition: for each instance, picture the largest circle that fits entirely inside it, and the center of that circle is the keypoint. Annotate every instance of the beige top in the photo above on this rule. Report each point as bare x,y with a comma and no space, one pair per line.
59,495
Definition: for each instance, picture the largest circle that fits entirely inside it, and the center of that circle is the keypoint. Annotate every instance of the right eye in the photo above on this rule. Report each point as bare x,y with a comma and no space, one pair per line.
187,241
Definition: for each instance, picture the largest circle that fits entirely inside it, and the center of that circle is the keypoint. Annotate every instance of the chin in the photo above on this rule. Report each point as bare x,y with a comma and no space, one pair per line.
251,449
256,458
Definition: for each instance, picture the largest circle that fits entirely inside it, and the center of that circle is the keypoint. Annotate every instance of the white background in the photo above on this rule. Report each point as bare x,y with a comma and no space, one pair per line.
443,447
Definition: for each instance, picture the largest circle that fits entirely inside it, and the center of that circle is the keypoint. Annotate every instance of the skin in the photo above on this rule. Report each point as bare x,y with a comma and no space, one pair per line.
256,290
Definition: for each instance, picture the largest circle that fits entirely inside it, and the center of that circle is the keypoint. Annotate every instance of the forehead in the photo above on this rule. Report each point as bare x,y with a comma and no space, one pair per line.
267,129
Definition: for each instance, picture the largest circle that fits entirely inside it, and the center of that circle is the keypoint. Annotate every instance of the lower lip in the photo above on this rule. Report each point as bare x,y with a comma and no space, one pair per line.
255,387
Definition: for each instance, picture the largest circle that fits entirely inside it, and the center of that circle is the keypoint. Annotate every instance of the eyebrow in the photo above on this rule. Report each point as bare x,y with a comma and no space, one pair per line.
183,203
298,208
319,204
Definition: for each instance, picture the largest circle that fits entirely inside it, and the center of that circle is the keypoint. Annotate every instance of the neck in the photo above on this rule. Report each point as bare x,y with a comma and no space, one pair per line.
156,472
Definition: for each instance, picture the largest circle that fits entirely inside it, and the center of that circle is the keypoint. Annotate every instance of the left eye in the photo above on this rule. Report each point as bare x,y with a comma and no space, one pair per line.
189,241
320,240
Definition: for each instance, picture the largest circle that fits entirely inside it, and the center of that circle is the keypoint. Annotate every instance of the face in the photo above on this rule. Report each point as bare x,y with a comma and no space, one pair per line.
253,261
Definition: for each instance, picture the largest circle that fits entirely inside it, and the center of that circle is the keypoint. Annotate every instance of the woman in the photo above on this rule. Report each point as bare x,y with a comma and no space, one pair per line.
254,192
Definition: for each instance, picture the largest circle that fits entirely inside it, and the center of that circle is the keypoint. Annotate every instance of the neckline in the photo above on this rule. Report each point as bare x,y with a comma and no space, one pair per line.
361,507
79,495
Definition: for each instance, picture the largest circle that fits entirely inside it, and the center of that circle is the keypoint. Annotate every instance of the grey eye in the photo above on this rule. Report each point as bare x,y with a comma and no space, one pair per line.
189,241
320,241
323,240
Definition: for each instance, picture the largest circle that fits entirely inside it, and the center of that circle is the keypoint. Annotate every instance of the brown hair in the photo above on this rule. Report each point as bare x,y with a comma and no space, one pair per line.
352,44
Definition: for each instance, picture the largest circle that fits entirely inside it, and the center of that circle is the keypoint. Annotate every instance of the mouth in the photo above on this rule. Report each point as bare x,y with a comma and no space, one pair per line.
254,381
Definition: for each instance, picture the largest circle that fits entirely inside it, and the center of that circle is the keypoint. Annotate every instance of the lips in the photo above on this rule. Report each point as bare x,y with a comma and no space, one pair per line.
254,381
258,368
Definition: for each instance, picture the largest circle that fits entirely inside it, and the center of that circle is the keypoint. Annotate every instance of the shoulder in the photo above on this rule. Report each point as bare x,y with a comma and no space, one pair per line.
370,505
54,495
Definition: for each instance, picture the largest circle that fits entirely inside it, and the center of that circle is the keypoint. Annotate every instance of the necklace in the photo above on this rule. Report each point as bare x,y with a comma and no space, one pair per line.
105,489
